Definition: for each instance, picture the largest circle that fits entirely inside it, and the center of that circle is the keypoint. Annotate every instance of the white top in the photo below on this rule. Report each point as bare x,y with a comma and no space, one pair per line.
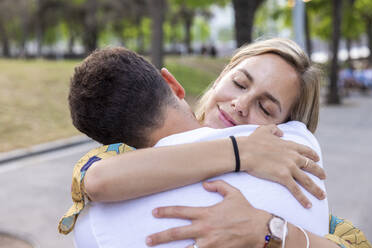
128,223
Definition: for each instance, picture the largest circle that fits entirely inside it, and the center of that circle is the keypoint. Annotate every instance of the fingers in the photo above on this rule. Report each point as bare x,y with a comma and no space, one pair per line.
309,184
306,151
220,187
311,167
177,233
273,129
296,191
276,131
178,212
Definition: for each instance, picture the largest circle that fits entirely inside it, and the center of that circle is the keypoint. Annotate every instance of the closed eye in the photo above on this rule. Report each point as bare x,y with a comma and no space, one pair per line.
238,85
263,109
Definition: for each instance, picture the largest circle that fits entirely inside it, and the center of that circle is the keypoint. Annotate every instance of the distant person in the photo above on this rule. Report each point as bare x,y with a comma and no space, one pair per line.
213,51
203,50
360,76
346,80
368,76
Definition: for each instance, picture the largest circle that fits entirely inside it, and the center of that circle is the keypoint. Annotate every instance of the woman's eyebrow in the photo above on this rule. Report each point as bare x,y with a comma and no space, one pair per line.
246,73
273,99
267,94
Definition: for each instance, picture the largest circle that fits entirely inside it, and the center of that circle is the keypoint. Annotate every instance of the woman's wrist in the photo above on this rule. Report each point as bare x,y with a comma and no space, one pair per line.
295,237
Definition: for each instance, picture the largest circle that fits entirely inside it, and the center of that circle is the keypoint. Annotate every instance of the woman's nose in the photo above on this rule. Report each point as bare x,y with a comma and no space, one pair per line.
241,105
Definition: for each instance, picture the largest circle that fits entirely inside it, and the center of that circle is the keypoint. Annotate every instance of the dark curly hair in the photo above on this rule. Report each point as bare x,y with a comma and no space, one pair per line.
117,96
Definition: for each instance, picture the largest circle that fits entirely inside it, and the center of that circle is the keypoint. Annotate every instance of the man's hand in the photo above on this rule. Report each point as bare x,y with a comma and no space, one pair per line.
263,154
230,223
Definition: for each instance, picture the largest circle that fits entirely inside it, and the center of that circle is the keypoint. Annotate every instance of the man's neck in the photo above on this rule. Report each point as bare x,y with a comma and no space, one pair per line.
176,121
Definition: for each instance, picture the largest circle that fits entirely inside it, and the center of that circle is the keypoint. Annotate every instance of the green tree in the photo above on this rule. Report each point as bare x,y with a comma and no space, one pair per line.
200,30
71,20
364,8
46,16
16,21
5,17
157,11
186,10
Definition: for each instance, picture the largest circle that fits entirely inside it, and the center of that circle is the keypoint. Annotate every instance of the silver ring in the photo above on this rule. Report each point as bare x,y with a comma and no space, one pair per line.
307,163
195,246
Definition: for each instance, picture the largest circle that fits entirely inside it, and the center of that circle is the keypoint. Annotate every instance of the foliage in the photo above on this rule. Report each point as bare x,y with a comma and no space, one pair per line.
200,30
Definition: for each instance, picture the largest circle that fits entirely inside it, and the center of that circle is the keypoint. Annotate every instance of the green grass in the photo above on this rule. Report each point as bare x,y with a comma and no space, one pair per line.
33,96
33,100
194,73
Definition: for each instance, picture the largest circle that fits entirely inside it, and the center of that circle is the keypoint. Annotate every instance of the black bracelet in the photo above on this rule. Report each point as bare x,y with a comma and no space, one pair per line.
236,151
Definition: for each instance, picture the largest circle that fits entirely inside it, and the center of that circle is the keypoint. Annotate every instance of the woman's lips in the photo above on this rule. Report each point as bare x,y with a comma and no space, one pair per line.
225,118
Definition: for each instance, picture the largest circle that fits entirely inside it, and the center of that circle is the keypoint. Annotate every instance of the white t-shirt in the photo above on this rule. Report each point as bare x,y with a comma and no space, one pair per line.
128,223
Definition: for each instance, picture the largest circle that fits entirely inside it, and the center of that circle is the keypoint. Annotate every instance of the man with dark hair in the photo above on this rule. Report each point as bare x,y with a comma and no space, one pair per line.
117,96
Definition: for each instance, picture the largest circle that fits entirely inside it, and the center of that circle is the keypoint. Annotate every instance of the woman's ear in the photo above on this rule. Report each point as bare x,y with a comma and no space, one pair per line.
176,87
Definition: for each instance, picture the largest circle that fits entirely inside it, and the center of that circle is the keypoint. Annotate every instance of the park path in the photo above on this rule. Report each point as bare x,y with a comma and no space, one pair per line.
35,192
345,136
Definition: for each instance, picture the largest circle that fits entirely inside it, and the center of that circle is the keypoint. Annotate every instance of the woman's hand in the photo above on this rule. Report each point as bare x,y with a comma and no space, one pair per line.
263,154
230,223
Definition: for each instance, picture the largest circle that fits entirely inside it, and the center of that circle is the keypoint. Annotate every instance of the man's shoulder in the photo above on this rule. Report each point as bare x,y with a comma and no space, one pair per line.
104,151
299,129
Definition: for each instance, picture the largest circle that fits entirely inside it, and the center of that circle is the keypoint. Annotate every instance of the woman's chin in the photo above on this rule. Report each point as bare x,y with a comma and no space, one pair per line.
213,124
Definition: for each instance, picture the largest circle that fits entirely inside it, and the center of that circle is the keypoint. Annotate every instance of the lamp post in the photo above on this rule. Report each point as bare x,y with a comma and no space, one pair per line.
298,22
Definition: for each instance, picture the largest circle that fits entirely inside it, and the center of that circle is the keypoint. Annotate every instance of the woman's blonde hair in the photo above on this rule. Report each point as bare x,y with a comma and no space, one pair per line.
306,108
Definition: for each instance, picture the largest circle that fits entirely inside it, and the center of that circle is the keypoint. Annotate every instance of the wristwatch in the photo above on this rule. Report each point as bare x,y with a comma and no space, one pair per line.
277,226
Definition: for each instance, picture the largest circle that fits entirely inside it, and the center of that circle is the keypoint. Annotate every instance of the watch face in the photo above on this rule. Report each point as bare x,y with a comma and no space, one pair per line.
277,227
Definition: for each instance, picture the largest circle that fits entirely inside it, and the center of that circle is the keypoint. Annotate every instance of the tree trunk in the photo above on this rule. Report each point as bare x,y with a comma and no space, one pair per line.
22,49
244,18
187,16
140,36
188,25
157,10
369,36
140,41
90,36
309,46
333,96
71,43
23,39
39,29
4,41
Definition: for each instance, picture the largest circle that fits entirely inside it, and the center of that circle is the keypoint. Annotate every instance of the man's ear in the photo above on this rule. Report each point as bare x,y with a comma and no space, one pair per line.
177,88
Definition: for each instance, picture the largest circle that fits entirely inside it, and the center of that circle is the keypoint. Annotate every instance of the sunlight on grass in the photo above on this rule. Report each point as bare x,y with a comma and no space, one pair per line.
33,96
33,100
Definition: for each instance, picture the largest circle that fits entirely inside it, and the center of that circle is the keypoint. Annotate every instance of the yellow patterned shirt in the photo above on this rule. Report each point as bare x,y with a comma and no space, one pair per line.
67,222
341,231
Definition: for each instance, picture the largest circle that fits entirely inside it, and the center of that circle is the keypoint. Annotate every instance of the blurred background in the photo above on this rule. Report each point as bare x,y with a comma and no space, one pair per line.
41,41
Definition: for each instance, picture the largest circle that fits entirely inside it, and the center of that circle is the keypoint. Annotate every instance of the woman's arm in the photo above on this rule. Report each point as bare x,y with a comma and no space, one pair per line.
147,171
232,223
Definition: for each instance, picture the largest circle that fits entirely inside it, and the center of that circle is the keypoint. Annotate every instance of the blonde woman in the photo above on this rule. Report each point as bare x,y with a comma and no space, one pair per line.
268,82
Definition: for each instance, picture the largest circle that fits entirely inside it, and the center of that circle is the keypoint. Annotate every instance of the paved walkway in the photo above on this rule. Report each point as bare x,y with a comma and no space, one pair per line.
345,136
35,192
